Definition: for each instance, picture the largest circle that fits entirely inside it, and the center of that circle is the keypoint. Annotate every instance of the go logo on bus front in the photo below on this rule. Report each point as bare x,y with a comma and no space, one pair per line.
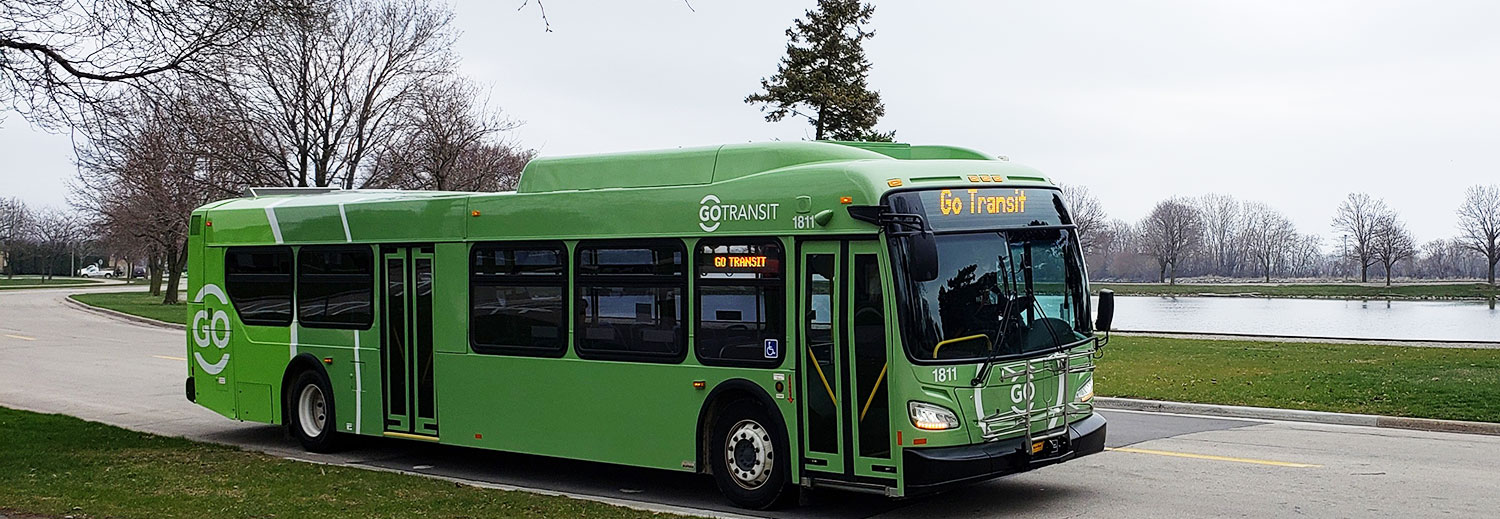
210,326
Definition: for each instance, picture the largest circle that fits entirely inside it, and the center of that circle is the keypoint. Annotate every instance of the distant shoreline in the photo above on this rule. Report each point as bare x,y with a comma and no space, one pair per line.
1466,291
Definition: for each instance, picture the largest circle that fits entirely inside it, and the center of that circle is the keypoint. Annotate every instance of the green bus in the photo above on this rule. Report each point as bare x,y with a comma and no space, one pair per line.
875,317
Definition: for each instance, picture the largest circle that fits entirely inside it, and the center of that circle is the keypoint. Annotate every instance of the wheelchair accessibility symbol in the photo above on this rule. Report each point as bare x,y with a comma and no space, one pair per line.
773,348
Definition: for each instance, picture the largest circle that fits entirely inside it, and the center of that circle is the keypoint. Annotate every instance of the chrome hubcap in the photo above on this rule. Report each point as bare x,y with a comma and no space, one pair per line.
312,411
749,454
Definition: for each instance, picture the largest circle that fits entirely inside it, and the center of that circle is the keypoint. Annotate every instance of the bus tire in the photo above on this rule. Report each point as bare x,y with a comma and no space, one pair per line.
310,412
749,455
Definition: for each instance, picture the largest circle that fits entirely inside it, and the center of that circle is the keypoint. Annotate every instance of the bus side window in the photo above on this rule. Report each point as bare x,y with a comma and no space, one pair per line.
741,297
631,300
517,304
336,286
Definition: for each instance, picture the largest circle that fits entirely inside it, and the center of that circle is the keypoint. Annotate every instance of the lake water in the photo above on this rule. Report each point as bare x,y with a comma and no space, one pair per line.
1415,320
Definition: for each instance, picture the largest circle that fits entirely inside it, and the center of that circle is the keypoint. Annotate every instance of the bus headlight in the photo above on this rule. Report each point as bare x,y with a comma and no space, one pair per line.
1086,392
931,417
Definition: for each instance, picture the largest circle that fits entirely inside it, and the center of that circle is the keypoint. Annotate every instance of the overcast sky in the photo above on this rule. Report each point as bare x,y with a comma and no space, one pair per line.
1291,103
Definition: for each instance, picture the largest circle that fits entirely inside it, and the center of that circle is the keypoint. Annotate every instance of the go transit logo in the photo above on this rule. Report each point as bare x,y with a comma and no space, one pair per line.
206,329
712,212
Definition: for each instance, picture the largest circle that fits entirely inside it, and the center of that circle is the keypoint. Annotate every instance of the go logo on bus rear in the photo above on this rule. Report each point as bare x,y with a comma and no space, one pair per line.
210,326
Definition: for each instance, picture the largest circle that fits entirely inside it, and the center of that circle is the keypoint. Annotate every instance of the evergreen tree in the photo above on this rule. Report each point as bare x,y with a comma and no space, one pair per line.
822,77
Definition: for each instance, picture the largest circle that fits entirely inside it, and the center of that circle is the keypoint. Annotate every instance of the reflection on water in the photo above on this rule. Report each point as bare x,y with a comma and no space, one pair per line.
1372,319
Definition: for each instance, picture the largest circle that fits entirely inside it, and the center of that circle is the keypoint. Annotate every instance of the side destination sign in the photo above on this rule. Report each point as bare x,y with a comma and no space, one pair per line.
712,212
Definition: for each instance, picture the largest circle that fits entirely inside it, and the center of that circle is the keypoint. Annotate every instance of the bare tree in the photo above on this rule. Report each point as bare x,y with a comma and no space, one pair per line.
451,144
1111,240
1223,219
15,229
58,54
1391,242
1170,233
147,171
1268,236
1359,216
1479,221
55,231
319,90
1088,215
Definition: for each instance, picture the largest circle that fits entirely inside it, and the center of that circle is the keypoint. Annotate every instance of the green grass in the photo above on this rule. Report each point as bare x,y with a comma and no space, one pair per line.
1445,383
1444,291
29,281
141,304
53,465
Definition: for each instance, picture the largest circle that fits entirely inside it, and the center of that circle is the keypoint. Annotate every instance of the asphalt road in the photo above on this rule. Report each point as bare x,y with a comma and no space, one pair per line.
56,358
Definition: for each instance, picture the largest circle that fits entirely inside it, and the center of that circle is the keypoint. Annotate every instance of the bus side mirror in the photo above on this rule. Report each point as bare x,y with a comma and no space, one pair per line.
1106,310
922,256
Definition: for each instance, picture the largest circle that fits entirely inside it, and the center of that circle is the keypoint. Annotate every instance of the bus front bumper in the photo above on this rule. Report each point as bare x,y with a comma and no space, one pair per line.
938,467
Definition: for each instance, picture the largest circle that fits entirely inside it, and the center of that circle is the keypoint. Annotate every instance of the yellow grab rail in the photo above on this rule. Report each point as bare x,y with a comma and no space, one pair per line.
961,339
821,375
872,391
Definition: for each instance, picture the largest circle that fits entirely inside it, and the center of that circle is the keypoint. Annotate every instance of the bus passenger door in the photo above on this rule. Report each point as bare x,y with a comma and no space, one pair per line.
843,360
406,342
819,355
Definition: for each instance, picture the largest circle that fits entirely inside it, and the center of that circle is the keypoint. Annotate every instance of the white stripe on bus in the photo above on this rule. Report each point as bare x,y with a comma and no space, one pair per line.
359,388
271,217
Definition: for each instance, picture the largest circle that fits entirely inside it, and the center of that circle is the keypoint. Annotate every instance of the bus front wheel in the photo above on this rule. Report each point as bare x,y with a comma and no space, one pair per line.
310,415
749,455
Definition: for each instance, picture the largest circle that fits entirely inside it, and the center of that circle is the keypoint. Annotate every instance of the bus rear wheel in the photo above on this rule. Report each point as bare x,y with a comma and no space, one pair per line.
749,456
310,415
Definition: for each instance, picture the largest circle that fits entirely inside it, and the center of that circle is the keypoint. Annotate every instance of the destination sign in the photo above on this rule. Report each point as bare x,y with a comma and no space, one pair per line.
747,263
983,208
981,201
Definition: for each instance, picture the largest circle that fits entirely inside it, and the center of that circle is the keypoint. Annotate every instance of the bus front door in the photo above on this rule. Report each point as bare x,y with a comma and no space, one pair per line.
406,344
843,356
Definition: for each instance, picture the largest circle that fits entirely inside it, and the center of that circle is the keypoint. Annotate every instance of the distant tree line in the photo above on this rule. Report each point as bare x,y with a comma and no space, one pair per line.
1219,236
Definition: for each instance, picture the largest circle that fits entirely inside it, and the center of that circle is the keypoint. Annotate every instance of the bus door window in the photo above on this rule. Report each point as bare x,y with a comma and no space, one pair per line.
870,362
822,384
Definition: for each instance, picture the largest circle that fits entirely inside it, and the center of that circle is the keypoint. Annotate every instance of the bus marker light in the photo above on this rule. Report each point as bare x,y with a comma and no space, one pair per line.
919,441
328,360
898,437
699,384
895,182
208,223
846,200
474,212
478,436
973,178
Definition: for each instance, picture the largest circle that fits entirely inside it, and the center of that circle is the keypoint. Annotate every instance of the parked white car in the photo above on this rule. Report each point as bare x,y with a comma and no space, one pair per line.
94,271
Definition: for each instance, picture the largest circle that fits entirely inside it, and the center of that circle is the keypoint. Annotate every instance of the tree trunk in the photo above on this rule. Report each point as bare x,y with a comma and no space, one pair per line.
153,266
818,134
176,259
1171,273
1364,273
1387,274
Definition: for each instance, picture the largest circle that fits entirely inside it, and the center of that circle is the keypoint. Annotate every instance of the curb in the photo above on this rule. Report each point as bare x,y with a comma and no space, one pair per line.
1298,415
123,316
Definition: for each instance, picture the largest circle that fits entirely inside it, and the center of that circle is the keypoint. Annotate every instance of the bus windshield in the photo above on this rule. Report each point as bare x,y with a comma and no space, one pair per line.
998,294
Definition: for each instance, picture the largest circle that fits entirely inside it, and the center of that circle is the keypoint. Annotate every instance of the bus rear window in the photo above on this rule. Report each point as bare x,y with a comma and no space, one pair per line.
259,281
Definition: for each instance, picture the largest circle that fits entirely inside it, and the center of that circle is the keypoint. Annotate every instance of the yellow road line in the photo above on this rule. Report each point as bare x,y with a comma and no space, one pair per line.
22,337
179,359
1214,458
